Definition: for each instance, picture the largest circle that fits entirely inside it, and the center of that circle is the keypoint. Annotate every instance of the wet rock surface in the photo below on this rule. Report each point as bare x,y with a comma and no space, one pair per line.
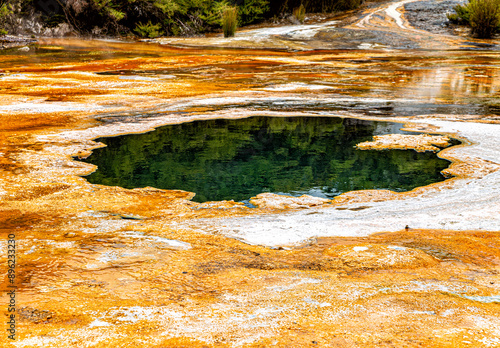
10,41
343,38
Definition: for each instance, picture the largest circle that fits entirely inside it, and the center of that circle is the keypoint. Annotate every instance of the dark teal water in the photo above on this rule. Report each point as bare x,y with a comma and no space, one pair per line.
238,159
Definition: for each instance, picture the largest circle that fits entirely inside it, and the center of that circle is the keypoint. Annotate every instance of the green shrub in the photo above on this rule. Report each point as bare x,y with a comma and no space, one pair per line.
214,14
252,11
461,16
229,21
5,11
109,9
483,16
345,5
300,13
177,17
167,7
52,21
313,6
148,30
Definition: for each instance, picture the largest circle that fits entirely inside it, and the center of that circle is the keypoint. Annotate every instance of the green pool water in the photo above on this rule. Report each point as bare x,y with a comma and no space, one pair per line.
236,159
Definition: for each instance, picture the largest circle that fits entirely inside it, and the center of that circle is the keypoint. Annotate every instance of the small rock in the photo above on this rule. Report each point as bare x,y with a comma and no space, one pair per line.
294,20
34,315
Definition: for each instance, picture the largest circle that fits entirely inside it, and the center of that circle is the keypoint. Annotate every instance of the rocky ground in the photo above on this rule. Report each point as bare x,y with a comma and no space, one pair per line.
10,41
431,15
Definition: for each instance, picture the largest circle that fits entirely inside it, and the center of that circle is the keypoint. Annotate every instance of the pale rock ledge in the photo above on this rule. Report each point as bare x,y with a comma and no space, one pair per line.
418,142
275,201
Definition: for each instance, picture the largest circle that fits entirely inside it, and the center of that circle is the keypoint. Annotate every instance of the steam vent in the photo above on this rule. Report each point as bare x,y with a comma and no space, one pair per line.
316,180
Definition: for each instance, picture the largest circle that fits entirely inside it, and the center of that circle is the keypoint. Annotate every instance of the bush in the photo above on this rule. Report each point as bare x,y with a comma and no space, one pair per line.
313,6
252,11
461,16
148,30
5,11
300,13
483,16
345,5
229,21
150,18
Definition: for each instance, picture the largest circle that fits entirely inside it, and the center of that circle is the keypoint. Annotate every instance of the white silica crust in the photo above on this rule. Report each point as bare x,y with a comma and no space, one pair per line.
462,204
468,204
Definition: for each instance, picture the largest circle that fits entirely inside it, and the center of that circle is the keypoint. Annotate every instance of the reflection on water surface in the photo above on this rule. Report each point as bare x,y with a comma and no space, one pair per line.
237,159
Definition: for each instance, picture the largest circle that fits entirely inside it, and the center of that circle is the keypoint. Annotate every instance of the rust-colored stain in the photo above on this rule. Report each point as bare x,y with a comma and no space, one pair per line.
96,265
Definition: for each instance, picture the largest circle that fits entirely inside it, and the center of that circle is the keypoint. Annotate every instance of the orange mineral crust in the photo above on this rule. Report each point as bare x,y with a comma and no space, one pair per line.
105,266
